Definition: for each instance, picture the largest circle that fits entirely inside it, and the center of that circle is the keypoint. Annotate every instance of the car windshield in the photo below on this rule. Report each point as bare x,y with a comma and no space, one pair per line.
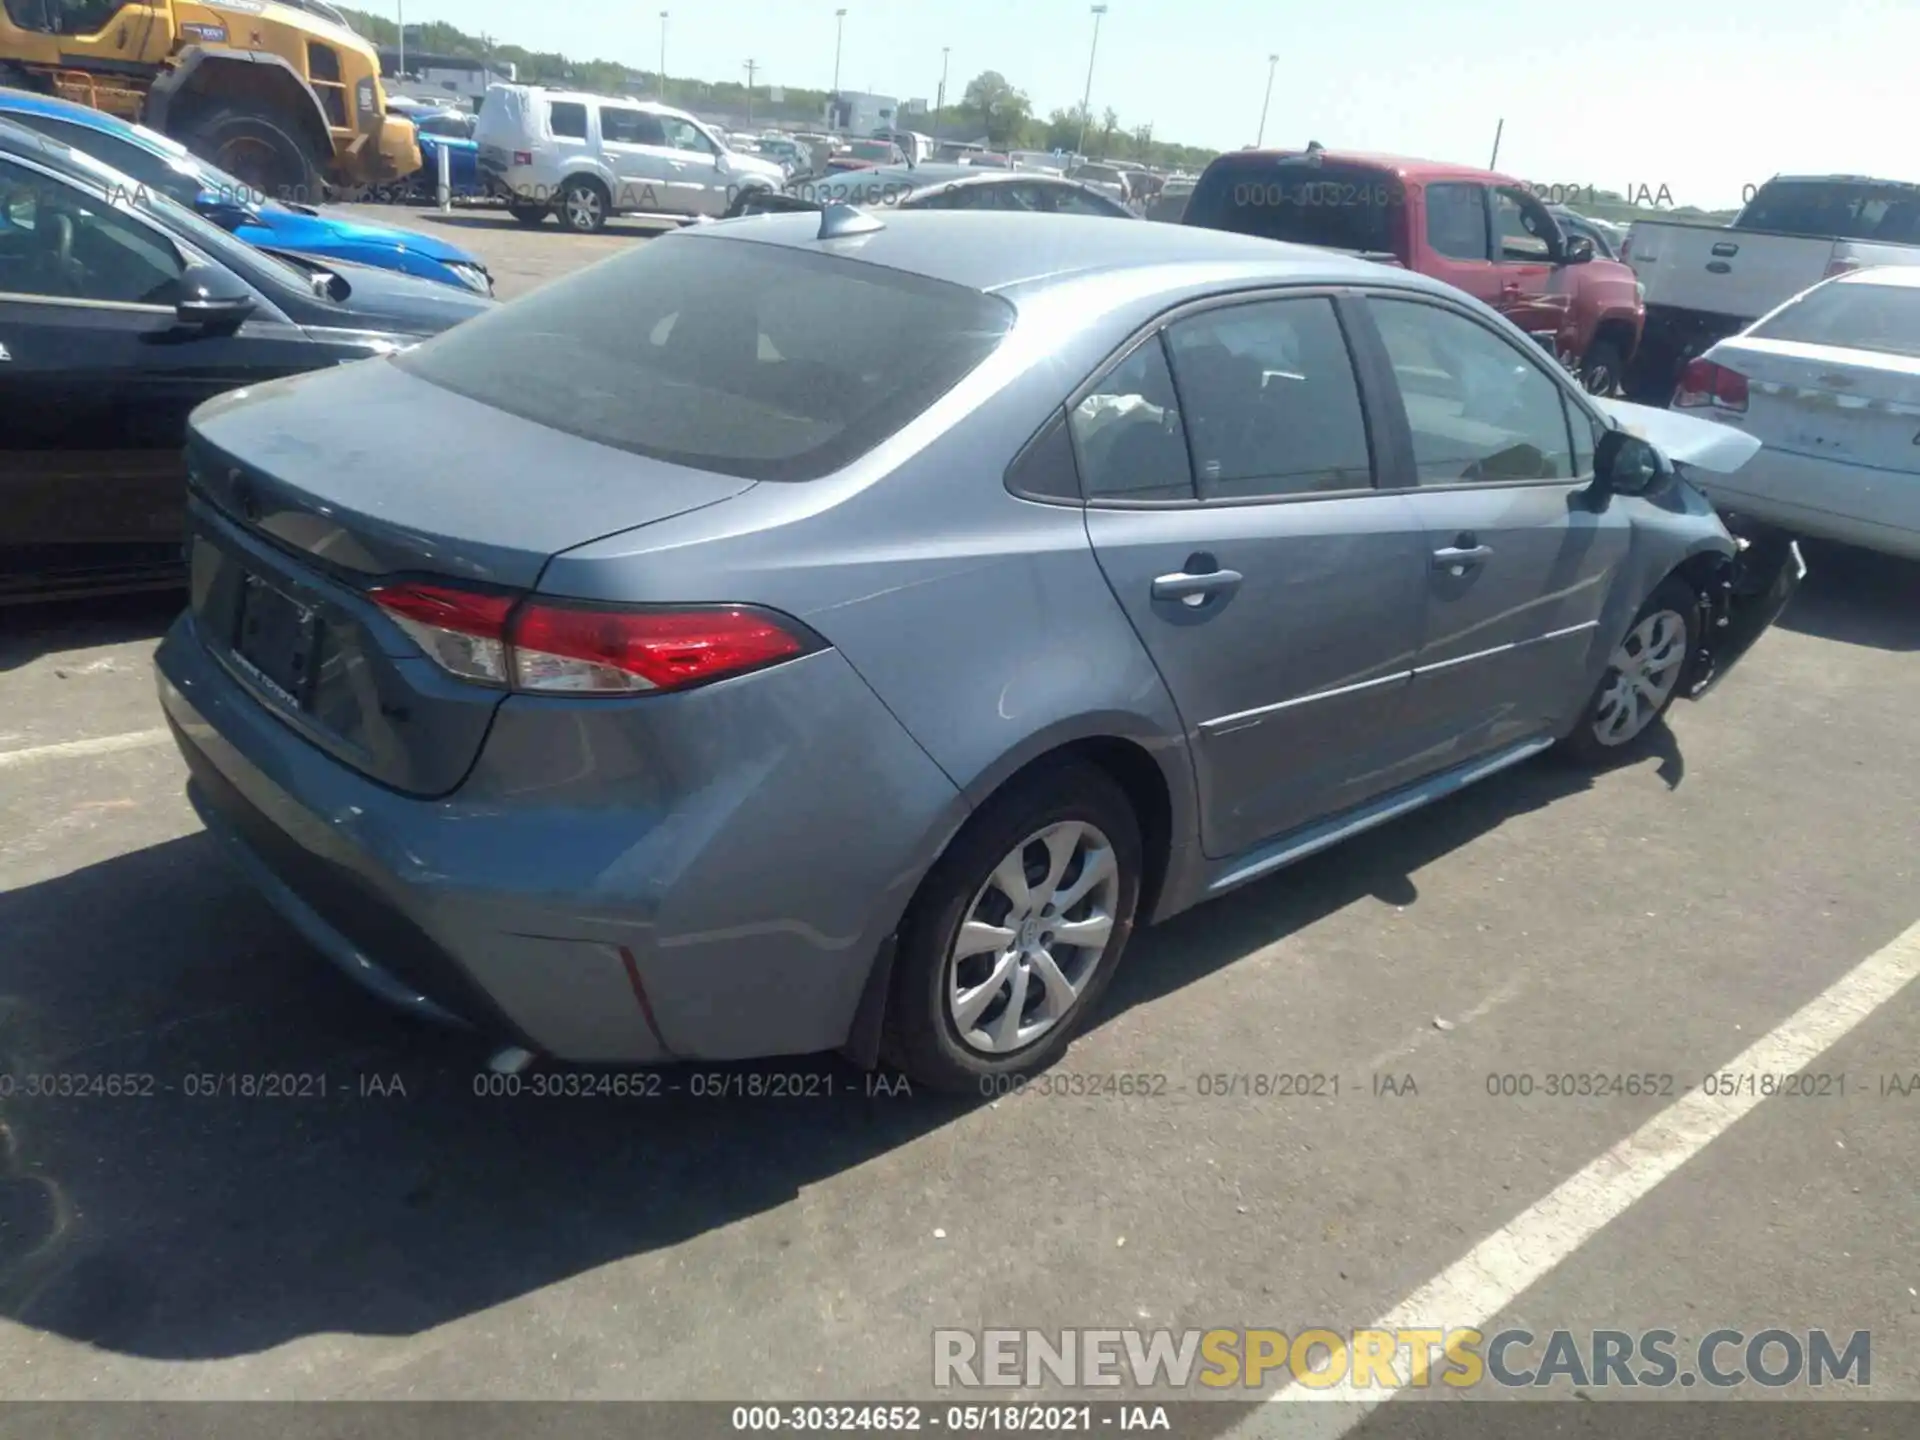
754,360
873,150
1851,315
1847,209
1339,207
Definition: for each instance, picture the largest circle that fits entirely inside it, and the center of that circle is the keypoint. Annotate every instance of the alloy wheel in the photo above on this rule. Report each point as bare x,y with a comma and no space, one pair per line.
1641,677
583,208
1033,938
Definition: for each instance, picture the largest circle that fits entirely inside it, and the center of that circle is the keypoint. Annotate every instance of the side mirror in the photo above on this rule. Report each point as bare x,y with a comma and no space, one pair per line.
212,300
1624,464
1579,250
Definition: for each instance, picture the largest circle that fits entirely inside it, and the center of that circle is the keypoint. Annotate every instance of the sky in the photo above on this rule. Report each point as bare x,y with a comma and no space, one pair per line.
1693,102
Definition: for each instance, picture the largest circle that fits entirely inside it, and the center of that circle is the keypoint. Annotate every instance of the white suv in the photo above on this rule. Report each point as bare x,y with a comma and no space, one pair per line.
586,158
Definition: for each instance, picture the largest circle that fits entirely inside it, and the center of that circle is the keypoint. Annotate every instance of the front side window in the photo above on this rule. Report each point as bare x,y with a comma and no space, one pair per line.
567,119
1457,220
1479,408
61,243
744,359
1128,434
1523,226
1272,404
684,136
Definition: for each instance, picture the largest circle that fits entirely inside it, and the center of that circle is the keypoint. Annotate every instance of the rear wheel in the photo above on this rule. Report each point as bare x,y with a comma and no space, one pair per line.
1643,675
584,206
1016,932
259,148
529,215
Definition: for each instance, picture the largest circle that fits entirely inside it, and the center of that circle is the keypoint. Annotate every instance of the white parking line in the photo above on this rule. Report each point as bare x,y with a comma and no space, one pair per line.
102,745
1484,1281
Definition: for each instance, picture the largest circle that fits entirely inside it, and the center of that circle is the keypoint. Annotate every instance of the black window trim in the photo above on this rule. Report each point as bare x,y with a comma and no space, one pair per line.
1375,416
1572,399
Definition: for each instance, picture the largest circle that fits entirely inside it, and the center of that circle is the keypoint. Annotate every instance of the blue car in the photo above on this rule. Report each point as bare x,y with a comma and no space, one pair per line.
176,172
452,131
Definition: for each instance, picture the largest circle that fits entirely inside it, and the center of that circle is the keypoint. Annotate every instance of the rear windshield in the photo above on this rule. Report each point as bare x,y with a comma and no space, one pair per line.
1339,207
1848,209
725,355
1852,315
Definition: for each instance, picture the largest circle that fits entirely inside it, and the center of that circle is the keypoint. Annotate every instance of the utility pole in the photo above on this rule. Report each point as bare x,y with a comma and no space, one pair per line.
839,34
402,4
663,57
751,67
1086,100
1273,62
940,103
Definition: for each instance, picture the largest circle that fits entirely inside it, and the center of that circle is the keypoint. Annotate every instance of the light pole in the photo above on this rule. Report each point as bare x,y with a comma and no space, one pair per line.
940,101
402,5
839,34
1273,62
751,67
663,57
1086,100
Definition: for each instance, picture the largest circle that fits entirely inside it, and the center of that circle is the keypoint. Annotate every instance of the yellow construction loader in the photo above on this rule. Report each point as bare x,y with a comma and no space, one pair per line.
277,92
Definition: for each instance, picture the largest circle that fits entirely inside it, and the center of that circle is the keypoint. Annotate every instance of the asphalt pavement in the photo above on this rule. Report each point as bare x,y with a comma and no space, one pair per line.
375,1225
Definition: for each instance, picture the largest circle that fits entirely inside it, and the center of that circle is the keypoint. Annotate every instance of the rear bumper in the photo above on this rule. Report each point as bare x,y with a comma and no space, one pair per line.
592,892
1825,499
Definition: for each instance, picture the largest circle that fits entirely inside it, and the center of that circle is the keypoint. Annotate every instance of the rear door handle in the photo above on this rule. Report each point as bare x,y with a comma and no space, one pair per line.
1194,589
1458,559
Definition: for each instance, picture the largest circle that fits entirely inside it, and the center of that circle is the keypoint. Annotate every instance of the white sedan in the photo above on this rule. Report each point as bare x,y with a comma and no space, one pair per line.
1829,383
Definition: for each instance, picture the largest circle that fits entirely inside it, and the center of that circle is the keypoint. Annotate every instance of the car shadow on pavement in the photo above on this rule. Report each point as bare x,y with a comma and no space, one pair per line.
166,1201
1857,597
28,632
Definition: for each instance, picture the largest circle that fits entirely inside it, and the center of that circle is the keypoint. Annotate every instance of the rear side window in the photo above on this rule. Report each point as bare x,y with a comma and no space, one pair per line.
1340,207
1128,432
1271,401
1457,220
627,127
725,355
567,119
1853,316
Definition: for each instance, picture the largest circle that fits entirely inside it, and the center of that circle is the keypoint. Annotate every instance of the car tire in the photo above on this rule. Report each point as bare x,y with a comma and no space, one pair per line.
258,148
584,206
1642,678
530,215
1602,367
1070,822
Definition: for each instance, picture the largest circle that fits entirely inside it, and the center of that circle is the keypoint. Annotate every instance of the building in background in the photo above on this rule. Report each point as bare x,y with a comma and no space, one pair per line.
450,77
853,112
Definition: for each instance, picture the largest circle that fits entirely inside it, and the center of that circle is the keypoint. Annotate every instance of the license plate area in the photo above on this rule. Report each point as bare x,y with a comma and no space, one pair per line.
277,642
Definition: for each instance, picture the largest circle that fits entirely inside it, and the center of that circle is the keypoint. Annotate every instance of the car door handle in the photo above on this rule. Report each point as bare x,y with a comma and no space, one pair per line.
1458,559
1196,589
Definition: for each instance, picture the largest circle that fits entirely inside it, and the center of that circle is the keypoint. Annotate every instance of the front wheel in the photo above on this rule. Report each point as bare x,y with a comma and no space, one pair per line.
259,148
1016,932
1642,678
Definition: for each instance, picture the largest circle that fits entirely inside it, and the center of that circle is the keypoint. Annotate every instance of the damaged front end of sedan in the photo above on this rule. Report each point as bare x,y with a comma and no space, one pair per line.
1741,594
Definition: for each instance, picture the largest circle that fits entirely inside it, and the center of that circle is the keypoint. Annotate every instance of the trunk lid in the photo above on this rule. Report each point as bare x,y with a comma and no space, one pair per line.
1829,402
306,493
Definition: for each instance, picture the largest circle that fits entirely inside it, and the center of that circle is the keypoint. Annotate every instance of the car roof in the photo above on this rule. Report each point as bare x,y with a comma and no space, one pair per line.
25,143
1404,166
991,251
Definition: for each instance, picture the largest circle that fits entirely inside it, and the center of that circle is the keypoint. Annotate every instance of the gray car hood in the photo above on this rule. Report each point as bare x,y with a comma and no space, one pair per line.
1698,444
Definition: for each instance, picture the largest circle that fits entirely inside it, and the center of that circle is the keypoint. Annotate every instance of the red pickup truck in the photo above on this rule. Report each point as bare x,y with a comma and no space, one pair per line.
1482,232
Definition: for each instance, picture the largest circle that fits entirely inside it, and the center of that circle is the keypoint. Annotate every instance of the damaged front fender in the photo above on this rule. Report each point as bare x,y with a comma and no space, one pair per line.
1747,592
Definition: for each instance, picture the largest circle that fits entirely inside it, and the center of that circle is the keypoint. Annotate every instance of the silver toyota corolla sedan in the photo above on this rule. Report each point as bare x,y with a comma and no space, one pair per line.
825,631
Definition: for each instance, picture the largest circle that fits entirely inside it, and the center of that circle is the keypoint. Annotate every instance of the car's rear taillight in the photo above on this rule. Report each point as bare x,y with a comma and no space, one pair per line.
1707,384
464,631
546,647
